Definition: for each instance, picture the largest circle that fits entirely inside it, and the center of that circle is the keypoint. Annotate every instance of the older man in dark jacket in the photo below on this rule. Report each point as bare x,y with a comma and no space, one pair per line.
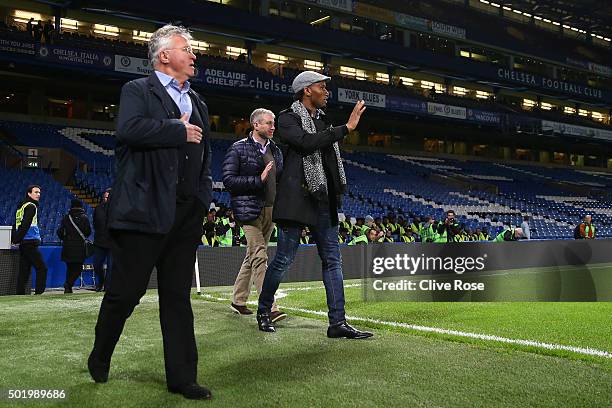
250,171
308,194
162,189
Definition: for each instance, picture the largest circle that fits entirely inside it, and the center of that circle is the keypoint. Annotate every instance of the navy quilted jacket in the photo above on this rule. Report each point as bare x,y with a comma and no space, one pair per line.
242,168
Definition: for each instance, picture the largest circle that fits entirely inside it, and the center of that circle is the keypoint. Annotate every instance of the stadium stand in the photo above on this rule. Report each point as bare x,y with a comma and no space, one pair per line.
55,199
499,104
379,184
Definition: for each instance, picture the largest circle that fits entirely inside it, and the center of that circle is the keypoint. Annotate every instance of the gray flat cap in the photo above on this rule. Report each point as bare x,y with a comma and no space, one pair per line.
307,78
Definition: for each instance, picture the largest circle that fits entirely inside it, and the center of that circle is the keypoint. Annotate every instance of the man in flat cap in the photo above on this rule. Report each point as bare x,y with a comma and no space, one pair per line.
308,194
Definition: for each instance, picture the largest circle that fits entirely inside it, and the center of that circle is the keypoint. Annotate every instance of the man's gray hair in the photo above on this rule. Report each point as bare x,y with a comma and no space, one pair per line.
162,38
258,113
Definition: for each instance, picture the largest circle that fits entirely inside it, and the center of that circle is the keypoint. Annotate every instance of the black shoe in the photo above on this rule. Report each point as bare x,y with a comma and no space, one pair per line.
67,289
97,370
192,391
277,316
344,330
264,323
98,288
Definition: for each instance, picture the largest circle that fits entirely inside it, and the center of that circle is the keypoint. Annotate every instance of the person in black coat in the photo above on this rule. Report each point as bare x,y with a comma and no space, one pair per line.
73,245
308,194
161,192
102,244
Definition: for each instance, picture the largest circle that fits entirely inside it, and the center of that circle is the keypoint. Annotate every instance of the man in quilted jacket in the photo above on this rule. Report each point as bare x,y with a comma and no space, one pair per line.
251,169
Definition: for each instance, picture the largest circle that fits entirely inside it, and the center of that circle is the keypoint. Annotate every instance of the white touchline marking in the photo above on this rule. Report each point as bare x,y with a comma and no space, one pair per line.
489,337
352,285
529,343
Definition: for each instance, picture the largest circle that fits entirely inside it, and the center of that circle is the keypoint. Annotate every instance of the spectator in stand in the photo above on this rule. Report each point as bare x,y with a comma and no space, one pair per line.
30,27
38,31
449,228
511,234
587,229
525,227
73,230
343,235
369,236
47,32
210,233
344,223
304,239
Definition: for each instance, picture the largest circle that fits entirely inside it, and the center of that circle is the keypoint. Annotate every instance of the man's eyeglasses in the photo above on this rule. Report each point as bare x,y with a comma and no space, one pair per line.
186,48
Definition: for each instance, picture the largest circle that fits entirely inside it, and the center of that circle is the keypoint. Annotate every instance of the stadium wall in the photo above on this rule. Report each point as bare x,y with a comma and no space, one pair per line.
219,266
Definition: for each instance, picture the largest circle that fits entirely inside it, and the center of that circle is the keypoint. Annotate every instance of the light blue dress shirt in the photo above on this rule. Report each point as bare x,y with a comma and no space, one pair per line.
178,95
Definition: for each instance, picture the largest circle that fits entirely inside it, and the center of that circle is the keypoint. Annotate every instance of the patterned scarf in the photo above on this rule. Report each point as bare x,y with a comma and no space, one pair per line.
316,181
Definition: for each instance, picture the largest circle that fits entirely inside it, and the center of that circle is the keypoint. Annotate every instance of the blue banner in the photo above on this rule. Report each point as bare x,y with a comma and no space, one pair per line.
558,85
399,104
491,118
17,46
262,82
75,56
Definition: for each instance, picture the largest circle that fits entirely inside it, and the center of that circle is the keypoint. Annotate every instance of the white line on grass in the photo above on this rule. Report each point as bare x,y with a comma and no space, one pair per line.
488,337
531,343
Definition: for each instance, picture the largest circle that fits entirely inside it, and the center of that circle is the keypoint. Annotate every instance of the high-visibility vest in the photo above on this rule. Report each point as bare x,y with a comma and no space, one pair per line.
242,244
441,238
444,236
588,228
387,239
348,226
33,232
426,232
360,240
226,239
500,236
212,242
305,240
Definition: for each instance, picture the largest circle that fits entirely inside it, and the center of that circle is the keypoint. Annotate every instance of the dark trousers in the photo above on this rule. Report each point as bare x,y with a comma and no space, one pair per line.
73,271
99,256
29,256
134,256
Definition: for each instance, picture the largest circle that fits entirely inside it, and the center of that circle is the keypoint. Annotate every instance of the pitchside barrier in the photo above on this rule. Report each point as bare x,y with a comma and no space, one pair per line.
524,270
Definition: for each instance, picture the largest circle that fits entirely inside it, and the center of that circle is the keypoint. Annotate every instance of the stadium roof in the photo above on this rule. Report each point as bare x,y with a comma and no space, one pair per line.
590,15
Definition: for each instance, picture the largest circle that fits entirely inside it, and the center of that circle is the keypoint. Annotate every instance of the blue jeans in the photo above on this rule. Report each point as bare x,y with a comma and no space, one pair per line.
326,237
99,256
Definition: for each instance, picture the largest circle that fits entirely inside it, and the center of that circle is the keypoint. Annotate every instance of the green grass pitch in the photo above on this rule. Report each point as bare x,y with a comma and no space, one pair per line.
46,340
